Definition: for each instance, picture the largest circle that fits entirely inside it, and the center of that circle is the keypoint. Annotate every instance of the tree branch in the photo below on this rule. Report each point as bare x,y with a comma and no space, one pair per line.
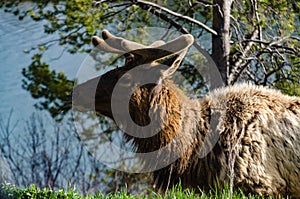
275,44
265,47
146,5
237,69
205,3
149,5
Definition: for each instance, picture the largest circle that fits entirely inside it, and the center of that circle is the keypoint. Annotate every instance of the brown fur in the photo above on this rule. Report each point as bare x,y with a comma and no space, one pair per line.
259,128
258,149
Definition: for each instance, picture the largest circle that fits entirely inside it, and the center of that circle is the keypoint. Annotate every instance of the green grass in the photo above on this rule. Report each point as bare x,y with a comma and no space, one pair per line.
32,192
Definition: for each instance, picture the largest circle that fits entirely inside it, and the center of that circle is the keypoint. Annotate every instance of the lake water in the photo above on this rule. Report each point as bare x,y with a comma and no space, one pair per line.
15,37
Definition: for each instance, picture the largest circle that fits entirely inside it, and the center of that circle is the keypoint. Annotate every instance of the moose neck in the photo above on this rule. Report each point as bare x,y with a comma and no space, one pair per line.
178,142
172,107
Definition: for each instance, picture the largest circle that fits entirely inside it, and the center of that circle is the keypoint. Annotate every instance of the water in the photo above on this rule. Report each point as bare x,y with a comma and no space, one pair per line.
15,37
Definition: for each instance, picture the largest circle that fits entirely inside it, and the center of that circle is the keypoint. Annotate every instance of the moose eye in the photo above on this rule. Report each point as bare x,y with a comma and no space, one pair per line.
128,58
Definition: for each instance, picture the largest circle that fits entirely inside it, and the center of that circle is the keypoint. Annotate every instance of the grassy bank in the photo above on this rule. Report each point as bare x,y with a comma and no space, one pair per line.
32,192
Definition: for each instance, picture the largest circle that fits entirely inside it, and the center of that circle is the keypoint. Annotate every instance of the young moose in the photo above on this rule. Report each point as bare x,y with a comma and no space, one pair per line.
258,145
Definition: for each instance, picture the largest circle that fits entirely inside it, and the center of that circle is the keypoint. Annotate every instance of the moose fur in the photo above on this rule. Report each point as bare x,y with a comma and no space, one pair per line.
258,146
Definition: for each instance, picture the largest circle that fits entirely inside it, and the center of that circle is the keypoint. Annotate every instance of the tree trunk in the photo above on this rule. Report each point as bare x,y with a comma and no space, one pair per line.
221,42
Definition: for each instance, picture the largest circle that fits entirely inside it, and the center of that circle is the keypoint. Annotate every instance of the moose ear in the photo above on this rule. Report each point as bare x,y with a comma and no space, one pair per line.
173,63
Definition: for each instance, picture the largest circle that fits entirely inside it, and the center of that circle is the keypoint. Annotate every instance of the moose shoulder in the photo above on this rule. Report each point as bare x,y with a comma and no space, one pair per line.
258,145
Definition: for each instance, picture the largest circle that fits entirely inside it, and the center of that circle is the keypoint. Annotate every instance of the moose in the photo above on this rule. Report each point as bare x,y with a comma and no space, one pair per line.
258,128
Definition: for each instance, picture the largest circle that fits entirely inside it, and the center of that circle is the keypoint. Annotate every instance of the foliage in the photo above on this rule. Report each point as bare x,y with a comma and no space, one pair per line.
54,89
286,81
265,36
12,192
32,192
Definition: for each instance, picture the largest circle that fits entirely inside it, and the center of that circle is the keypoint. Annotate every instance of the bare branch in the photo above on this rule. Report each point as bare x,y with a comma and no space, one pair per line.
146,5
255,14
205,3
270,47
275,44
186,18
236,69
117,12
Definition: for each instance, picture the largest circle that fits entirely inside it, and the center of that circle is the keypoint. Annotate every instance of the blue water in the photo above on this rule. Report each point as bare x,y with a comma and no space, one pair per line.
15,37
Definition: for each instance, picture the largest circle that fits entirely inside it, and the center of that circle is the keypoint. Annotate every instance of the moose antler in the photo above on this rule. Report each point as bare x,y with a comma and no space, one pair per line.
115,44
156,50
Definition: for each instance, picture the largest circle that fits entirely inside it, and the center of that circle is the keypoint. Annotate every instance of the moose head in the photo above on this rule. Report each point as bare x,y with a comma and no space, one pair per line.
139,81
